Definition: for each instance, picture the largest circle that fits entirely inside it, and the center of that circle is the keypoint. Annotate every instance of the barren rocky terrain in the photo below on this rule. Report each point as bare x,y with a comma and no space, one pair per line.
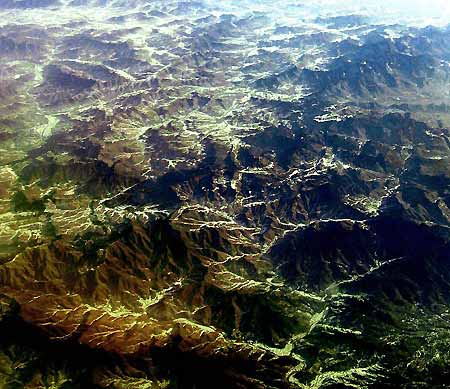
236,194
